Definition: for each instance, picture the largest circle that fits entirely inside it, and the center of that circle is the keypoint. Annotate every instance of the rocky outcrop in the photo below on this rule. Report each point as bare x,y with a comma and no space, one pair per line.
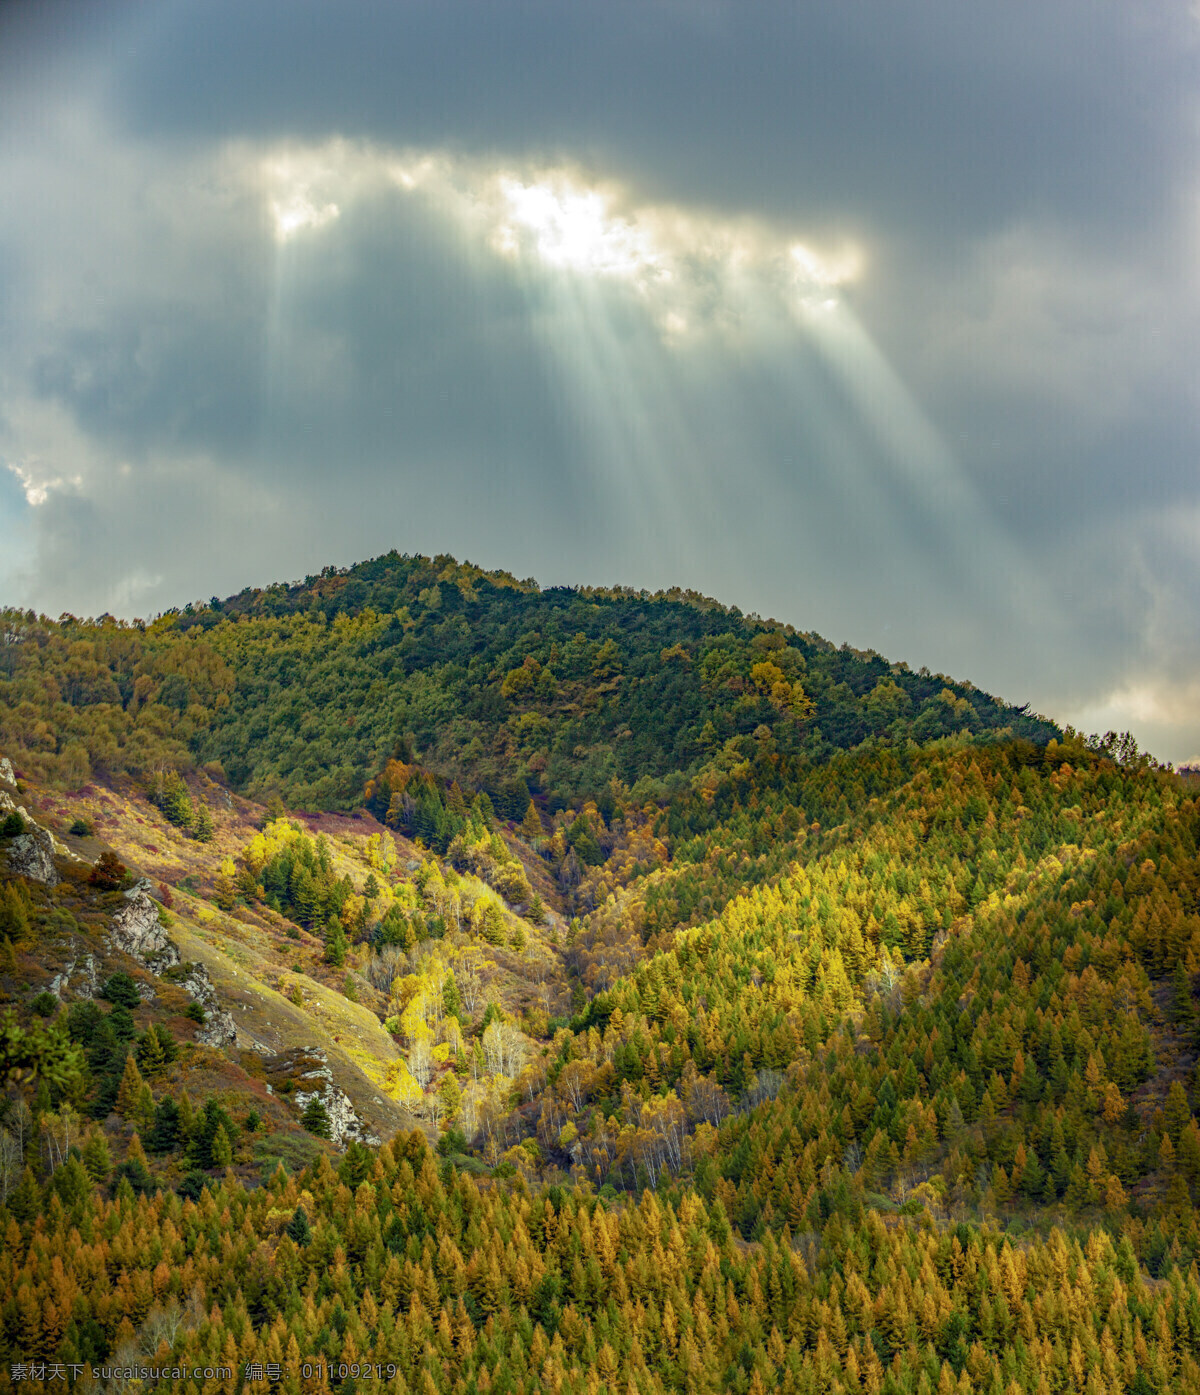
219,1028
138,931
31,854
79,978
307,1067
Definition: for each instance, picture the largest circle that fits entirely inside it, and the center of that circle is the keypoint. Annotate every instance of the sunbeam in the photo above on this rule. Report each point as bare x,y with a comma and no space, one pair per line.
943,505
707,370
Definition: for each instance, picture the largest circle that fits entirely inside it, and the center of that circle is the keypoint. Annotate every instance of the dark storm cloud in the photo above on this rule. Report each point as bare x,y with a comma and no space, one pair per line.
936,117
190,405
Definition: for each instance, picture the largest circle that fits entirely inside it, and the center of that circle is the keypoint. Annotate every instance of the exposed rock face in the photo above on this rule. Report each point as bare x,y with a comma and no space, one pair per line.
219,1028
136,929
32,855
309,1068
138,932
79,978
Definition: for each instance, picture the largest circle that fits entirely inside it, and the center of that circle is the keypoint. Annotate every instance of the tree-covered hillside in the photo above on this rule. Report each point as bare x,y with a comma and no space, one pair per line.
737,1012
307,690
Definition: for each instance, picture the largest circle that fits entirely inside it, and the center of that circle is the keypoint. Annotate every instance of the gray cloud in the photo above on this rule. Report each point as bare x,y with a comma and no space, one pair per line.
985,460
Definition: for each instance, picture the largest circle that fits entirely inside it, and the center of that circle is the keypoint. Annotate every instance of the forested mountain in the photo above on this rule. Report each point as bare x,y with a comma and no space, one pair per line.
564,990
307,690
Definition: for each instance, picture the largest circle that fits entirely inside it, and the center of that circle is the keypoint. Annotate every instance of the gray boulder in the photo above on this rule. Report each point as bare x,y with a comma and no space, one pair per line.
137,931
32,855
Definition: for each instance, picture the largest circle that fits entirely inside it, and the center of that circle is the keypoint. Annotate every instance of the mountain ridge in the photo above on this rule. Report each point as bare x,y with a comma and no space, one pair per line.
421,650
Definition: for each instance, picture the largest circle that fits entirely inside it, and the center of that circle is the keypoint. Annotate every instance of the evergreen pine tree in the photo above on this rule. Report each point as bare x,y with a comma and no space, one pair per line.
298,1227
221,1148
130,1089
14,912
1176,1111
202,824
143,1112
451,998
303,895
96,1156
355,1166
165,1133
136,1153
187,1117
316,1118
335,943
176,802
150,1054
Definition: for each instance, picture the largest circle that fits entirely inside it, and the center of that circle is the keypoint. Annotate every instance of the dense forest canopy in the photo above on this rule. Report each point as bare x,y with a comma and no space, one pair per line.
762,1014
307,690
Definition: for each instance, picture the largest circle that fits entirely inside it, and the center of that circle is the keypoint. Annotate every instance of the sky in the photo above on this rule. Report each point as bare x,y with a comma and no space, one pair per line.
880,320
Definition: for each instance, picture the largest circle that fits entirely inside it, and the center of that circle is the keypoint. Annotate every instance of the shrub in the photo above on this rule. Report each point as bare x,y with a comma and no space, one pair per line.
12,826
109,872
45,1004
121,990
81,828
293,1151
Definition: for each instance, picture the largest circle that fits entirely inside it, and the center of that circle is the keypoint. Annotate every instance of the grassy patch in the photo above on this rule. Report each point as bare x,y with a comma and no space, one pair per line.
294,1150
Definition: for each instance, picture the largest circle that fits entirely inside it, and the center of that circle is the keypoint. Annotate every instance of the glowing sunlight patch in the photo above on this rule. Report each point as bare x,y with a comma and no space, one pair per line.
299,213
38,487
815,270
571,228
690,269
300,185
